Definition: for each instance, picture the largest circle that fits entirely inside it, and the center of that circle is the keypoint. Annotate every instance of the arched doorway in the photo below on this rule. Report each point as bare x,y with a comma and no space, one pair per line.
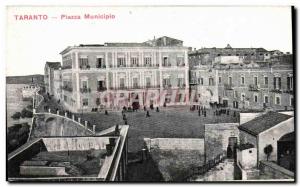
286,151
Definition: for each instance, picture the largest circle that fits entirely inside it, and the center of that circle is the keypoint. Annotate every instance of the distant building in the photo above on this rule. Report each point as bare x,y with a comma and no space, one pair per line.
267,129
250,78
49,69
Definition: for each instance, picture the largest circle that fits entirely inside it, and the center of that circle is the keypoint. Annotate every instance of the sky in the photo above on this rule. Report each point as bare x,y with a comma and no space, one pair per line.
30,43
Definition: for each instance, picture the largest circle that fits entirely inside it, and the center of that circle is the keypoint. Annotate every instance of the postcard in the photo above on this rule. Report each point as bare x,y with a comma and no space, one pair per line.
150,94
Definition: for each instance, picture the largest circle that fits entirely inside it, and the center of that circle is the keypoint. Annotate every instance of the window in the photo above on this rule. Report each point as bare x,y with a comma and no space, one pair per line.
85,102
277,83
201,81
166,82
84,84
292,101
235,93
134,61
255,98
180,82
98,101
243,96
165,61
83,62
148,82
121,61
100,63
255,81
277,100
147,61
180,61
290,83
220,80
135,82
242,80
266,80
65,98
122,83
211,81
230,80
266,99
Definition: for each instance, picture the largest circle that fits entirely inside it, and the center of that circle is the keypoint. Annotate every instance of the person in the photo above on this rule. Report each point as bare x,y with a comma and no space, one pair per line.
145,108
157,109
199,113
204,113
106,113
147,114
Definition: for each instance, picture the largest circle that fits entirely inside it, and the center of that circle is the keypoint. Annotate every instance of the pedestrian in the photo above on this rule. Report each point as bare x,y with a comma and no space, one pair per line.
199,113
204,113
157,109
106,113
147,114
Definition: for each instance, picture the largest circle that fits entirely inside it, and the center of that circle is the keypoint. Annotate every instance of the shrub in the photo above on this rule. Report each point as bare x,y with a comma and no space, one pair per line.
26,113
16,115
268,150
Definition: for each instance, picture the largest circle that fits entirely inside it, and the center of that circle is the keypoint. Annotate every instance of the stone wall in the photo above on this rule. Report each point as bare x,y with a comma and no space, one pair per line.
275,171
216,138
75,144
42,171
175,143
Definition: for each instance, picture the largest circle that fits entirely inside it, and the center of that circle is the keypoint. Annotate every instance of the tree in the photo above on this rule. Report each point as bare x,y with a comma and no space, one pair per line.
268,150
16,115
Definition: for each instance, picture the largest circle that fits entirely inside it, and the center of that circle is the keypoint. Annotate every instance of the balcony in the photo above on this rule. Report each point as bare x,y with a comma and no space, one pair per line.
87,67
66,67
101,67
67,88
85,90
181,85
276,90
166,65
166,86
101,89
121,66
288,91
254,88
134,65
180,64
228,86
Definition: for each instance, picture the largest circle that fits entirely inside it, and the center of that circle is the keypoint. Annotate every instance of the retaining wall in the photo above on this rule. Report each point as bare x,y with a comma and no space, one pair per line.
175,143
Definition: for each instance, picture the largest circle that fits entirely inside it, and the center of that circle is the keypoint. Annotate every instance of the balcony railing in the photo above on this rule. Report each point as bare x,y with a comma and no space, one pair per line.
166,65
166,86
101,67
101,89
85,67
228,86
67,88
66,67
179,64
85,90
181,85
276,90
253,87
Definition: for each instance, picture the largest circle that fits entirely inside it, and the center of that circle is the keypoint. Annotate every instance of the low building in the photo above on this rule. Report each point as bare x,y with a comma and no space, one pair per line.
265,131
72,159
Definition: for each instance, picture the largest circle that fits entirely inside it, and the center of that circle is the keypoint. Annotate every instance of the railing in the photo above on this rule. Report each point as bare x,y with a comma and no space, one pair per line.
101,67
276,90
66,67
85,67
85,90
181,86
253,87
179,64
100,89
67,88
167,86
206,167
166,65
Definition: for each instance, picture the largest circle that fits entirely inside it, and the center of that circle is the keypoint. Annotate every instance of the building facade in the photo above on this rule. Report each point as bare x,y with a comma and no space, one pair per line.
250,78
49,69
115,75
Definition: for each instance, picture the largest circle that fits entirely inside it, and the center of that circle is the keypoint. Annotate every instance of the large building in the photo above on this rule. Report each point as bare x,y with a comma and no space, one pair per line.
50,68
250,78
115,75
164,72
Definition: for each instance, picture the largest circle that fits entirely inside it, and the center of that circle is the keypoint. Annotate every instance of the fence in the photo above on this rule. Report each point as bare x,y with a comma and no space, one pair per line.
200,170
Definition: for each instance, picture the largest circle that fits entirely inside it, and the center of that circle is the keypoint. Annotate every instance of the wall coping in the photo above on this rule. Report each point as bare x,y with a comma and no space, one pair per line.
277,168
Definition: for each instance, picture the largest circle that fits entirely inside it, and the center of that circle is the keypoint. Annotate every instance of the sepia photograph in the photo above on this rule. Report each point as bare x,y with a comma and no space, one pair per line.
164,94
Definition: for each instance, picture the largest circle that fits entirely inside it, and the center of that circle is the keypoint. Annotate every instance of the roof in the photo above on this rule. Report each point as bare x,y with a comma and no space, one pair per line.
54,65
245,146
263,122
